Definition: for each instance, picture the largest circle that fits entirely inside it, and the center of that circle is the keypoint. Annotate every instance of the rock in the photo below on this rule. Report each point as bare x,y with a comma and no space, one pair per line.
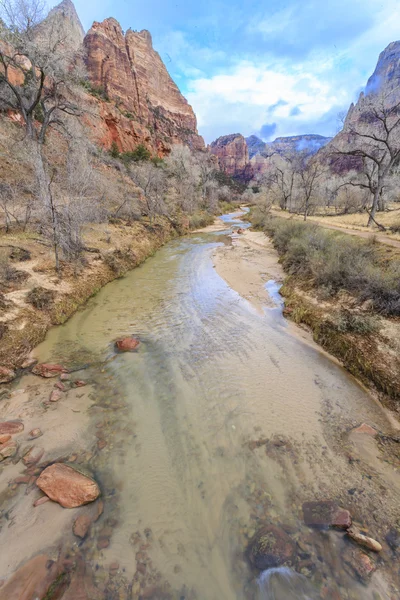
4,438
393,539
41,501
34,434
48,370
113,568
79,383
11,427
127,344
326,514
233,156
101,444
65,377
270,547
6,375
240,231
359,563
81,526
60,386
8,450
33,456
32,580
356,535
67,486
28,363
151,109
366,429
55,396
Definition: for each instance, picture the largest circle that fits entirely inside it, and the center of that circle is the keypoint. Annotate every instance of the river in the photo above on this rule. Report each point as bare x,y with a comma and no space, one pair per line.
222,421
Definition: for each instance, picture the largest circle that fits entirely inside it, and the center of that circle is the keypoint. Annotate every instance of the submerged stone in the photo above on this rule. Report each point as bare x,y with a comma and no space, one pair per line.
270,547
326,514
11,427
6,375
48,370
363,540
128,344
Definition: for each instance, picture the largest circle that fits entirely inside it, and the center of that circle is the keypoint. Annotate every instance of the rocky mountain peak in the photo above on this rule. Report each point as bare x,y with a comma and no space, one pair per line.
64,15
386,76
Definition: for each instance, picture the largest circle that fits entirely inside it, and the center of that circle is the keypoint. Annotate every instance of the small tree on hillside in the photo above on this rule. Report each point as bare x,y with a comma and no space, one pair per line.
309,171
374,138
36,78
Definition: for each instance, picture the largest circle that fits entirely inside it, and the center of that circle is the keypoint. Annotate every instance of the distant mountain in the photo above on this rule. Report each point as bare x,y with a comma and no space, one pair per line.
309,143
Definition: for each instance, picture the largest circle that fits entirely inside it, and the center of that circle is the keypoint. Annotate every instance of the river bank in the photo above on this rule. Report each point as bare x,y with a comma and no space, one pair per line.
220,424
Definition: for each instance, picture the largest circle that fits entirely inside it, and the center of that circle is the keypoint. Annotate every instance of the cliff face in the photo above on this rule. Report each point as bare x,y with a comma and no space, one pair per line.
233,156
145,104
62,22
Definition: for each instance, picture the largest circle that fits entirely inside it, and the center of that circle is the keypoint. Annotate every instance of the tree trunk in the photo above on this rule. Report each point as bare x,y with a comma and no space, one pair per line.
374,207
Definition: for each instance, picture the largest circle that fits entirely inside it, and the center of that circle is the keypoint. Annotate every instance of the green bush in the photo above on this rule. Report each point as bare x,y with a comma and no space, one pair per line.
139,154
95,90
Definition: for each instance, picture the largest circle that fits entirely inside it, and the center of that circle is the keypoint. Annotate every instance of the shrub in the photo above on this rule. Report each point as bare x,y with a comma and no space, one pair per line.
333,261
94,90
139,154
200,219
40,297
114,151
348,322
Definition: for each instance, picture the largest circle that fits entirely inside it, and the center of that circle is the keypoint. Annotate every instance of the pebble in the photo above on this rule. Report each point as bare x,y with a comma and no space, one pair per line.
363,540
41,500
55,396
4,439
35,433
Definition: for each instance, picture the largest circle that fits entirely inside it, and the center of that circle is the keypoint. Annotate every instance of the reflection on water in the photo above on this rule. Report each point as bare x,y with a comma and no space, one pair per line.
284,584
216,426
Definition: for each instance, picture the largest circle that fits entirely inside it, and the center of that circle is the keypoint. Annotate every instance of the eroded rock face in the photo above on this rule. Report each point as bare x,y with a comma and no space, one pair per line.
233,156
270,547
68,487
150,107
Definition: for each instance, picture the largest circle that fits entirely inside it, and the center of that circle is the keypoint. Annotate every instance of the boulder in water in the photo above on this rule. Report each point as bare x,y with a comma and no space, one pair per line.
326,514
358,563
67,486
11,427
270,547
127,344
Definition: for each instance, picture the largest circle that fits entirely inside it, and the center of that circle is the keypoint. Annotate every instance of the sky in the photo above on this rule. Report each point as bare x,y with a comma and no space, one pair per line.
270,68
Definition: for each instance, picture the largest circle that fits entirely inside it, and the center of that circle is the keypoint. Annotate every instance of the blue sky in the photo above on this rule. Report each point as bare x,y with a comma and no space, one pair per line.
272,68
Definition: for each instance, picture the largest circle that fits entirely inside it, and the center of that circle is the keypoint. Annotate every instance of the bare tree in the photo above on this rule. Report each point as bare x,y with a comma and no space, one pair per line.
309,171
36,75
151,181
374,138
284,179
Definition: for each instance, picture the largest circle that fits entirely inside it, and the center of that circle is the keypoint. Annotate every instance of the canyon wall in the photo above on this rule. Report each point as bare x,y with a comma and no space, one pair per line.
233,156
141,103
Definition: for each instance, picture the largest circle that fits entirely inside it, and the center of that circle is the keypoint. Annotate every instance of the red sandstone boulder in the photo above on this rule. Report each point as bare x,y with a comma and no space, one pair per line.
270,547
48,370
326,514
128,344
358,563
67,486
5,438
11,427
6,375
8,449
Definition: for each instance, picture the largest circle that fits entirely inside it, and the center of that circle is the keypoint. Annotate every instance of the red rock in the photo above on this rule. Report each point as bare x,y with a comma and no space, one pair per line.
32,580
48,370
113,568
99,509
35,433
81,526
366,429
363,540
22,479
67,486
270,547
4,438
6,375
359,563
11,427
65,377
41,501
55,396
101,444
33,456
8,450
59,385
127,344
326,514
80,383
103,542
151,109
233,156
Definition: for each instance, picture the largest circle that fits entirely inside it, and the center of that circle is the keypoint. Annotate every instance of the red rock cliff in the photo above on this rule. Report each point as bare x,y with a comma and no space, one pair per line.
145,104
233,156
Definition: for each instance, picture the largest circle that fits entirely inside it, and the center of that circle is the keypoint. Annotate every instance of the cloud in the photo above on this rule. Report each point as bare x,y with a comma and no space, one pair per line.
267,131
295,112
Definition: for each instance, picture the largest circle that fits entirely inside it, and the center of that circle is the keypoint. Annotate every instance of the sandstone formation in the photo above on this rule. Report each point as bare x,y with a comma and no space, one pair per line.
233,156
68,487
64,18
141,103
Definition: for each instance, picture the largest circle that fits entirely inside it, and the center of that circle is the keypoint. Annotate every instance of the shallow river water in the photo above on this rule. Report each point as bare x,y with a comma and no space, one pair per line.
221,422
